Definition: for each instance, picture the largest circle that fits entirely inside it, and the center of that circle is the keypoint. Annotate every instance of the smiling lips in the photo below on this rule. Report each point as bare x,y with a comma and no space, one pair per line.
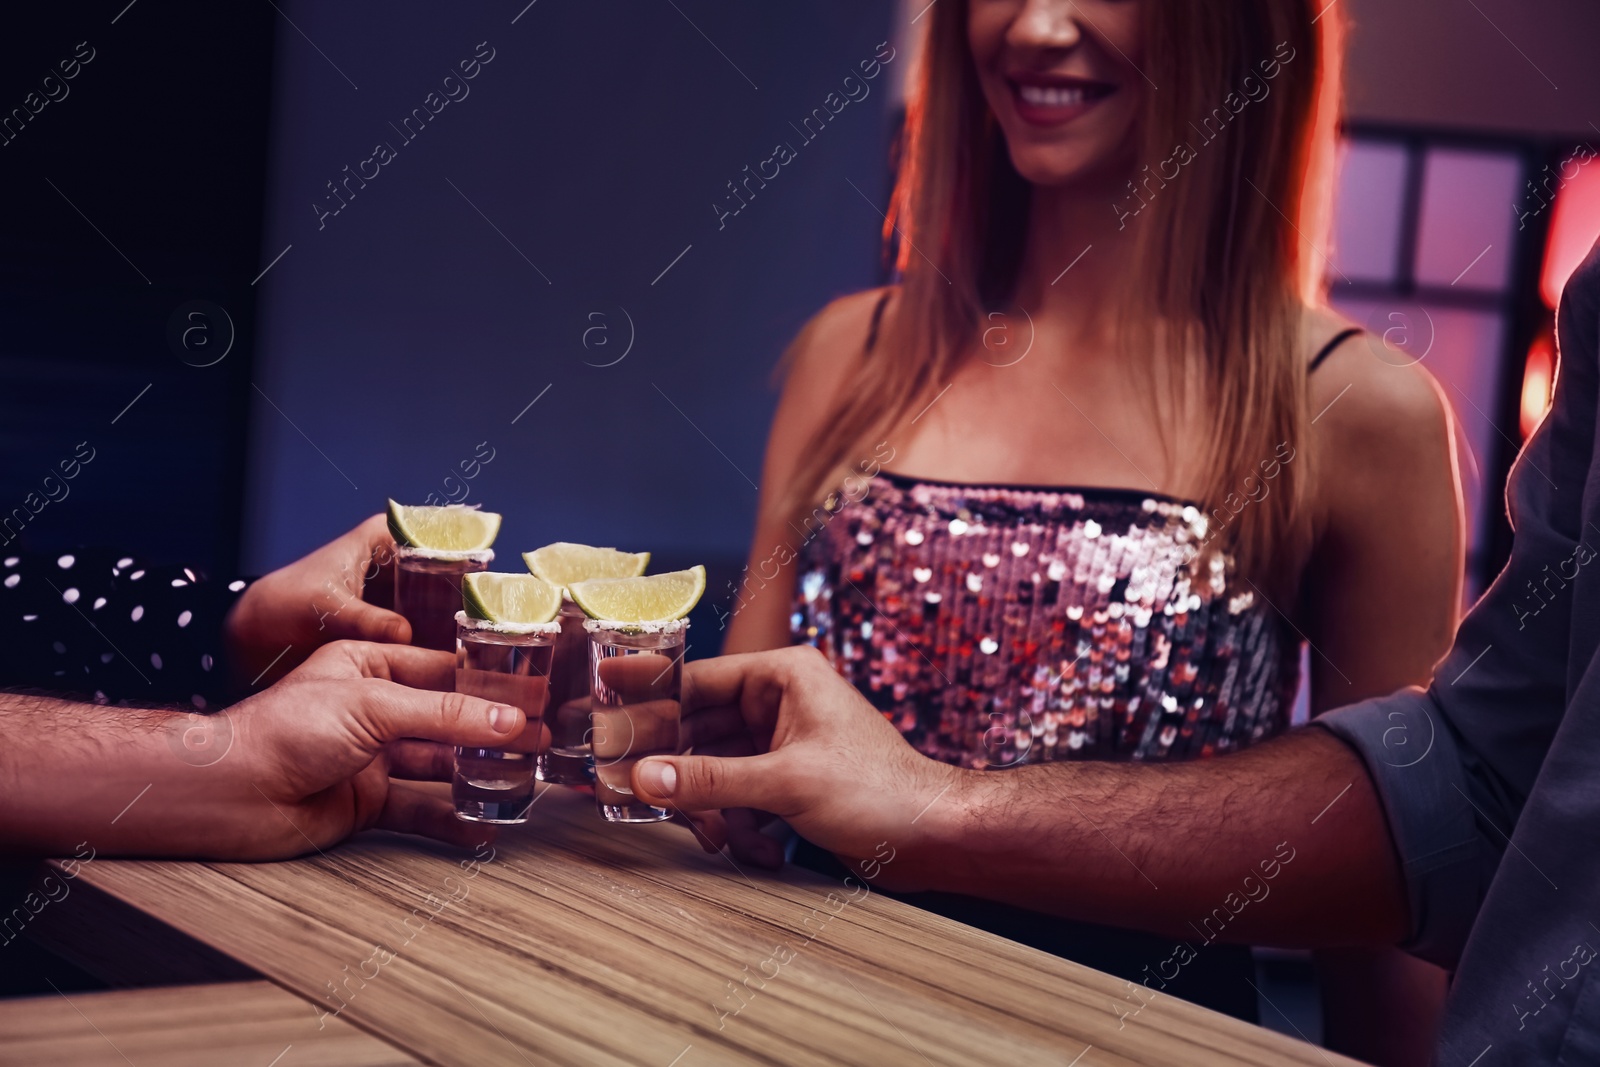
1056,100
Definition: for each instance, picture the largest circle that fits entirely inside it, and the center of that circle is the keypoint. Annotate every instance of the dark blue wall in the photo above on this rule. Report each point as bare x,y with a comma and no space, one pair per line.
407,330
133,177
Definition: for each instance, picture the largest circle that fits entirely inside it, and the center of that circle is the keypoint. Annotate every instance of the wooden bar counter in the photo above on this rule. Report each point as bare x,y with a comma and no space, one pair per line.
574,942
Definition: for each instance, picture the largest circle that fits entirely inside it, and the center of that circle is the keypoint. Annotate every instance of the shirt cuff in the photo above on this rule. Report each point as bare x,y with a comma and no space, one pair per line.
1414,760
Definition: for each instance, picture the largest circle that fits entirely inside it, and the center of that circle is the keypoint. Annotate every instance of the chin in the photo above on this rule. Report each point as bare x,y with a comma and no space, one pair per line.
1062,166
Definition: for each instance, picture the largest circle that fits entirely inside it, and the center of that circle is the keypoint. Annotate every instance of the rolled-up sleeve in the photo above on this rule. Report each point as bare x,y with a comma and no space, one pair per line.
1415,762
1454,766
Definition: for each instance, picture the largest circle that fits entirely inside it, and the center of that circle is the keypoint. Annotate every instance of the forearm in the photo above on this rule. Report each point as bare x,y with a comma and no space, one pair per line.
116,778
1284,844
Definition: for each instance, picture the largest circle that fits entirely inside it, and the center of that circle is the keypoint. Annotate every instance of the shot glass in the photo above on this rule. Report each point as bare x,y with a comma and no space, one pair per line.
508,664
636,685
566,761
427,591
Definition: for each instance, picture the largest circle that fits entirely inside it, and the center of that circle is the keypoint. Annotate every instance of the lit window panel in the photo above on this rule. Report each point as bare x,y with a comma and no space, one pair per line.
1369,207
1467,219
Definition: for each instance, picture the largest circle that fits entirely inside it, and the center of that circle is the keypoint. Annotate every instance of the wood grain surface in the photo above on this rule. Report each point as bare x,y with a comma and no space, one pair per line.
236,1023
581,943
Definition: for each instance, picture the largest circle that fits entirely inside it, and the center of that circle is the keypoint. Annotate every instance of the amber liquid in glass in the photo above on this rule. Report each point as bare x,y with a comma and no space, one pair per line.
427,591
566,761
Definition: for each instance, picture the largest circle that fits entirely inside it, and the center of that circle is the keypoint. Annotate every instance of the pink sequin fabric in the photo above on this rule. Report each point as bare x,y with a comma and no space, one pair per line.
1001,625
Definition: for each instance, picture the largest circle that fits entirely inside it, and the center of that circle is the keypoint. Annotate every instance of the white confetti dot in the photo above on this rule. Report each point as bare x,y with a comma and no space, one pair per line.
236,585
61,649
206,662
913,537
958,527
1091,529
138,613
124,563
190,573
29,618
66,561
136,575
12,580
178,583
99,602
155,660
70,596
12,561
989,646
105,657
183,619
198,701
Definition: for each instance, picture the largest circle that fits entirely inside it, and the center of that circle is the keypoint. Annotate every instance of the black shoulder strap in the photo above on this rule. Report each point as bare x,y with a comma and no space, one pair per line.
877,317
1327,350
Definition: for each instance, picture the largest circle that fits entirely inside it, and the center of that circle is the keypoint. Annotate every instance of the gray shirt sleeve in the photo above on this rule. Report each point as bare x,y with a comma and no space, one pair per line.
1455,765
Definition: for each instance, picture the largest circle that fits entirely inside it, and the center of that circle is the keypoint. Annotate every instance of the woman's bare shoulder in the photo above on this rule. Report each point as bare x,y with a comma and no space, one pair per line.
835,337
819,362
1379,421
1366,392
828,348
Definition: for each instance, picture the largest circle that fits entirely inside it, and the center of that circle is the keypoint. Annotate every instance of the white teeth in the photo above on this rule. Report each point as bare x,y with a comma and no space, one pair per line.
1050,95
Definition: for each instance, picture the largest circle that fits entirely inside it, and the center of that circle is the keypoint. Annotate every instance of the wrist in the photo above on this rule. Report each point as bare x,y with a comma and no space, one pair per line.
951,839
187,771
922,831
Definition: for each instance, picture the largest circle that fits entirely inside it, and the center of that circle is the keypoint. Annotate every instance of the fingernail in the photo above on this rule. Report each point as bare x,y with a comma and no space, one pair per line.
658,777
502,719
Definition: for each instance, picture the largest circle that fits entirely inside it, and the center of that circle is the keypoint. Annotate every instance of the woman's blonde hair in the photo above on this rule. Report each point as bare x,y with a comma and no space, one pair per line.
1227,202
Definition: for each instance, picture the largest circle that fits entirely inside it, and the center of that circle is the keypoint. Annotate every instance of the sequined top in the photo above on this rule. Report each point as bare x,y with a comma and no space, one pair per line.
999,625
114,628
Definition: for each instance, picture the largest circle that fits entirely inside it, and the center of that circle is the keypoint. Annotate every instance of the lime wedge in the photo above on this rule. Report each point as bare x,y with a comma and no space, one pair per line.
453,528
509,598
651,598
564,563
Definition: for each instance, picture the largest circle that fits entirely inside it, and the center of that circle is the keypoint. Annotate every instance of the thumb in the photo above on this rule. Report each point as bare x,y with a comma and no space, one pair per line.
390,711
361,621
701,783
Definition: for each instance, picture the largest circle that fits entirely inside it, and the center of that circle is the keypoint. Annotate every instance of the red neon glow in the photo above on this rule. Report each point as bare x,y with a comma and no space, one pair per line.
1538,382
1575,224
